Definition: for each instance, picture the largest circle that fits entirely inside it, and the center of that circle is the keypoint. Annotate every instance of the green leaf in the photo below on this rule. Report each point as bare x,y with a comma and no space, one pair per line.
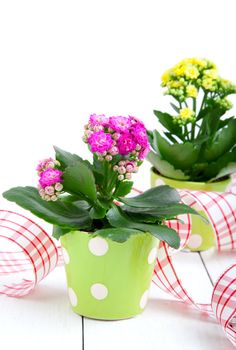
154,197
79,179
162,212
123,188
165,168
163,233
168,122
118,218
58,231
97,212
119,235
181,156
226,171
175,108
214,168
66,158
224,140
66,215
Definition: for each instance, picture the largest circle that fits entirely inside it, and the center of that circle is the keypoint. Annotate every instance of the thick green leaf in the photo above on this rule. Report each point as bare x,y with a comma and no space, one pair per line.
165,168
119,235
163,233
168,122
175,108
154,197
79,179
118,218
214,168
97,212
123,188
228,170
181,156
58,231
66,215
66,158
162,212
224,140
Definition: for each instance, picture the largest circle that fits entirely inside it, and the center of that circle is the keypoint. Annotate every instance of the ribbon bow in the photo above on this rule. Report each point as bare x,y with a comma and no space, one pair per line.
36,251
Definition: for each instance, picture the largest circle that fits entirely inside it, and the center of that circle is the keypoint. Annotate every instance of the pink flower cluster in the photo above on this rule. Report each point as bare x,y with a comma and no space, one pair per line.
112,136
50,179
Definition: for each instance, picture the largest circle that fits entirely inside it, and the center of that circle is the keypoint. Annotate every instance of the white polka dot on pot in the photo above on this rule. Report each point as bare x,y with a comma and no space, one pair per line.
144,299
66,256
99,291
98,246
73,297
152,255
195,241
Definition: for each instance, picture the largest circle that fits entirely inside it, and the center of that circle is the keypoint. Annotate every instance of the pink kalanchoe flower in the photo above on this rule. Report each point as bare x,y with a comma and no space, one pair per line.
120,124
135,120
100,142
98,119
50,177
126,144
140,134
144,152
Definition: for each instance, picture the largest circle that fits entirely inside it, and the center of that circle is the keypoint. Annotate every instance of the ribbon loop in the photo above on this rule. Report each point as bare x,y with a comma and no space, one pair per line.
37,251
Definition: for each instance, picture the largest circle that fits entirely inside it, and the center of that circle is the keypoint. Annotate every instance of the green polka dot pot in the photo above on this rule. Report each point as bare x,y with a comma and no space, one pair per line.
108,280
202,234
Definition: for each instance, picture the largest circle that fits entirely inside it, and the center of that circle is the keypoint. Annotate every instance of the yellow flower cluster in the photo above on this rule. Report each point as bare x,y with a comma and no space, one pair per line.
185,115
189,75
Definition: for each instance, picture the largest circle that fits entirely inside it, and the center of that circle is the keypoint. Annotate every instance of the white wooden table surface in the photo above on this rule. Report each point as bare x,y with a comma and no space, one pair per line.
44,317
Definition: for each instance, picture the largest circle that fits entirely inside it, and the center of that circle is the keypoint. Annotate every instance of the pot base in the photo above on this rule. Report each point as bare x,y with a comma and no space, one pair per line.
108,280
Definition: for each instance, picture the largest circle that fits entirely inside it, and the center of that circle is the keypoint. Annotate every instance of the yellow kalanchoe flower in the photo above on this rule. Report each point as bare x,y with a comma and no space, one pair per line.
208,84
192,91
186,113
191,72
165,77
211,73
179,69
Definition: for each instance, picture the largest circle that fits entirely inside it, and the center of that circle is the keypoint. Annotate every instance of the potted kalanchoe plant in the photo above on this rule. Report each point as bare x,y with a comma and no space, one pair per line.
109,241
198,149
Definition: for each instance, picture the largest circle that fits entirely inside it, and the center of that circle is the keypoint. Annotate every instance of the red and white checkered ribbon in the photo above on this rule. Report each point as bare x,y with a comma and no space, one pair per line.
37,252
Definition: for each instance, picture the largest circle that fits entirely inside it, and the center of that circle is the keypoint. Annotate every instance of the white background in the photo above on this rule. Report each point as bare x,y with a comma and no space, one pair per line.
60,61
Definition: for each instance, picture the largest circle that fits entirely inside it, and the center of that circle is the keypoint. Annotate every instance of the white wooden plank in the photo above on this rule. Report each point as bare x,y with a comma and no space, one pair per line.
42,319
216,263
165,324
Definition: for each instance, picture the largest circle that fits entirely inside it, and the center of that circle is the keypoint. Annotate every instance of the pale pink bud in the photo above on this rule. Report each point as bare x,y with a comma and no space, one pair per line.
121,177
138,147
115,167
58,186
108,158
129,168
113,151
116,136
122,163
54,198
49,190
121,170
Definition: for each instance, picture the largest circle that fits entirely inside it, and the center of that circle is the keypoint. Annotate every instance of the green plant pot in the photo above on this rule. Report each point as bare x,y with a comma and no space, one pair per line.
108,280
202,234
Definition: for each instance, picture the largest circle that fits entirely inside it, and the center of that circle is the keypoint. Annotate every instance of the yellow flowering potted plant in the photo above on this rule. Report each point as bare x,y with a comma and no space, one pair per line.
198,148
109,241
